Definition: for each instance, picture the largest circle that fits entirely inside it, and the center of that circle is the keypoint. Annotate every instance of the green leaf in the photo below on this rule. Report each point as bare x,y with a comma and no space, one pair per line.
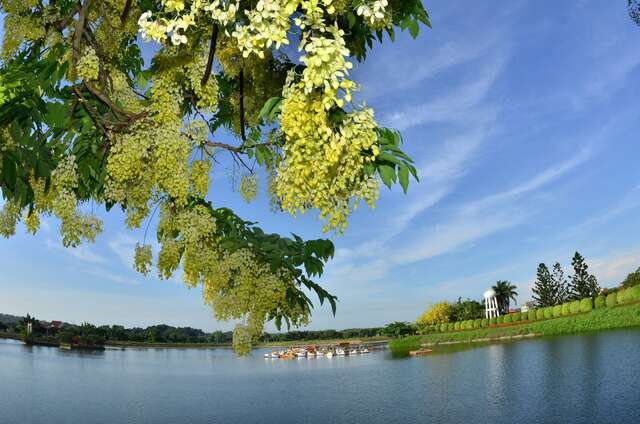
403,176
388,174
270,109
414,28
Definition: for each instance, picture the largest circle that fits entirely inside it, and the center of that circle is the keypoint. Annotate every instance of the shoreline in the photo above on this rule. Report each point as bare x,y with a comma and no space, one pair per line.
117,345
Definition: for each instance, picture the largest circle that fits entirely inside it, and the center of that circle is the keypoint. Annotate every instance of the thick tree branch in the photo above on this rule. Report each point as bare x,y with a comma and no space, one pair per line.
125,12
78,30
92,112
212,53
121,113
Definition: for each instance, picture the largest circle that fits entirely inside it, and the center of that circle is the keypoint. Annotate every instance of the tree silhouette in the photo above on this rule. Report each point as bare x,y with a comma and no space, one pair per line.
505,292
634,10
582,284
544,291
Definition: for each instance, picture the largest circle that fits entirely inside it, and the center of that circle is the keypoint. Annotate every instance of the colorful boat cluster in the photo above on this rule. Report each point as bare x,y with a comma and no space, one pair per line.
312,352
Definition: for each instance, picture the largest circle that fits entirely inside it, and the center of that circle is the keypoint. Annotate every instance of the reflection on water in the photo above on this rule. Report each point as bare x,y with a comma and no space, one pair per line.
577,379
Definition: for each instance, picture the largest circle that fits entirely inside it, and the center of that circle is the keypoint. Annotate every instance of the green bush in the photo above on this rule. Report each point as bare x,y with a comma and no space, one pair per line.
443,327
548,312
612,299
484,323
540,313
532,314
477,323
600,302
634,293
566,309
508,319
456,325
465,325
574,307
524,316
557,311
493,321
517,316
586,304
627,295
500,319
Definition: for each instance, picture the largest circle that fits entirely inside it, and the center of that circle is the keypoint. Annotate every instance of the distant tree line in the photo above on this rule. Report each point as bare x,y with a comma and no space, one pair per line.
96,335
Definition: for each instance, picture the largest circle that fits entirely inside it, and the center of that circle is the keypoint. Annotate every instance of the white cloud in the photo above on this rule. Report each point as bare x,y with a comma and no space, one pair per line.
457,106
614,267
81,252
541,179
123,246
102,273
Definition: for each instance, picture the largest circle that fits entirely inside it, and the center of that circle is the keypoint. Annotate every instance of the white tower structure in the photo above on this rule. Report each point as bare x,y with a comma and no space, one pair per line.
491,304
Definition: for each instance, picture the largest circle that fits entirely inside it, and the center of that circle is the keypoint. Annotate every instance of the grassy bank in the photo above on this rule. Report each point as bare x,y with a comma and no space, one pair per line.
598,319
402,346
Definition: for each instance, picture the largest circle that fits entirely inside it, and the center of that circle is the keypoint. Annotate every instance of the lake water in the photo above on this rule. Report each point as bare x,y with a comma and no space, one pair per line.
592,378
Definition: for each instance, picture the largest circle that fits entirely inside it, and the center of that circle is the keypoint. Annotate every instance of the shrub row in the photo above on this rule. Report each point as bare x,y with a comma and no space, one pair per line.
631,294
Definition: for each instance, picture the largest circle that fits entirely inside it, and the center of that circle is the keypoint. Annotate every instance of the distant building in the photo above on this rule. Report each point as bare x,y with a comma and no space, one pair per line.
526,306
55,324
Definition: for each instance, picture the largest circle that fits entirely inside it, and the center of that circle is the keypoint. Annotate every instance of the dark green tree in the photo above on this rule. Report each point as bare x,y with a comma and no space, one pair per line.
560,284
582,283
544,291
632,279
398,329
505,293
464,310
634,10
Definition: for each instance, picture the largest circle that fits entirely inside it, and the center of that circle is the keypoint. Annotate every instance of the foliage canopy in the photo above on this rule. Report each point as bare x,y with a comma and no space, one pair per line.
84,121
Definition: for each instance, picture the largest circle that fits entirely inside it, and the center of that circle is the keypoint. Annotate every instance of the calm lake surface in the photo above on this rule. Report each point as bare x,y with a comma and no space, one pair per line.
592,378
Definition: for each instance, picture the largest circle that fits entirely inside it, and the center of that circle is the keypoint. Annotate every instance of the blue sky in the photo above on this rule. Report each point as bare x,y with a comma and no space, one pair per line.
521,117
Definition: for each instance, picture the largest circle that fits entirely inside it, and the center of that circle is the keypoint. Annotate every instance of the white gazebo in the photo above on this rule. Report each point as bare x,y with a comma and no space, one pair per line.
491,304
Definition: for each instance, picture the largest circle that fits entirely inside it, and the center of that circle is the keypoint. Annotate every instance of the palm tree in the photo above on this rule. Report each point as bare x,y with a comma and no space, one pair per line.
505,293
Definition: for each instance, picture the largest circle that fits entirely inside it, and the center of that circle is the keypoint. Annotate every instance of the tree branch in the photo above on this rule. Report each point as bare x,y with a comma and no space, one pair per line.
212,53
242,130
107,101
78,30
125,12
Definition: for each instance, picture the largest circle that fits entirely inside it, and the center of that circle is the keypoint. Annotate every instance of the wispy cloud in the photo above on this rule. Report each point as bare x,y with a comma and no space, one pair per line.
457,106
539,180
103,274
629,202
614,267
123,245
467,223
82,252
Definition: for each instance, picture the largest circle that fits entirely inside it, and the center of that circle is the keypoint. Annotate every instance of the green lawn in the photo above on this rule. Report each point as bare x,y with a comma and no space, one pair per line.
598,319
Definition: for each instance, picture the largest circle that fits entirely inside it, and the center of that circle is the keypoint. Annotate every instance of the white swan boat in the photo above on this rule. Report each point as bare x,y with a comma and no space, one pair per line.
340,352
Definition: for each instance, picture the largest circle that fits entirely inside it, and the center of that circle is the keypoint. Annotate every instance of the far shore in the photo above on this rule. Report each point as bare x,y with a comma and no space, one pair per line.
373,341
